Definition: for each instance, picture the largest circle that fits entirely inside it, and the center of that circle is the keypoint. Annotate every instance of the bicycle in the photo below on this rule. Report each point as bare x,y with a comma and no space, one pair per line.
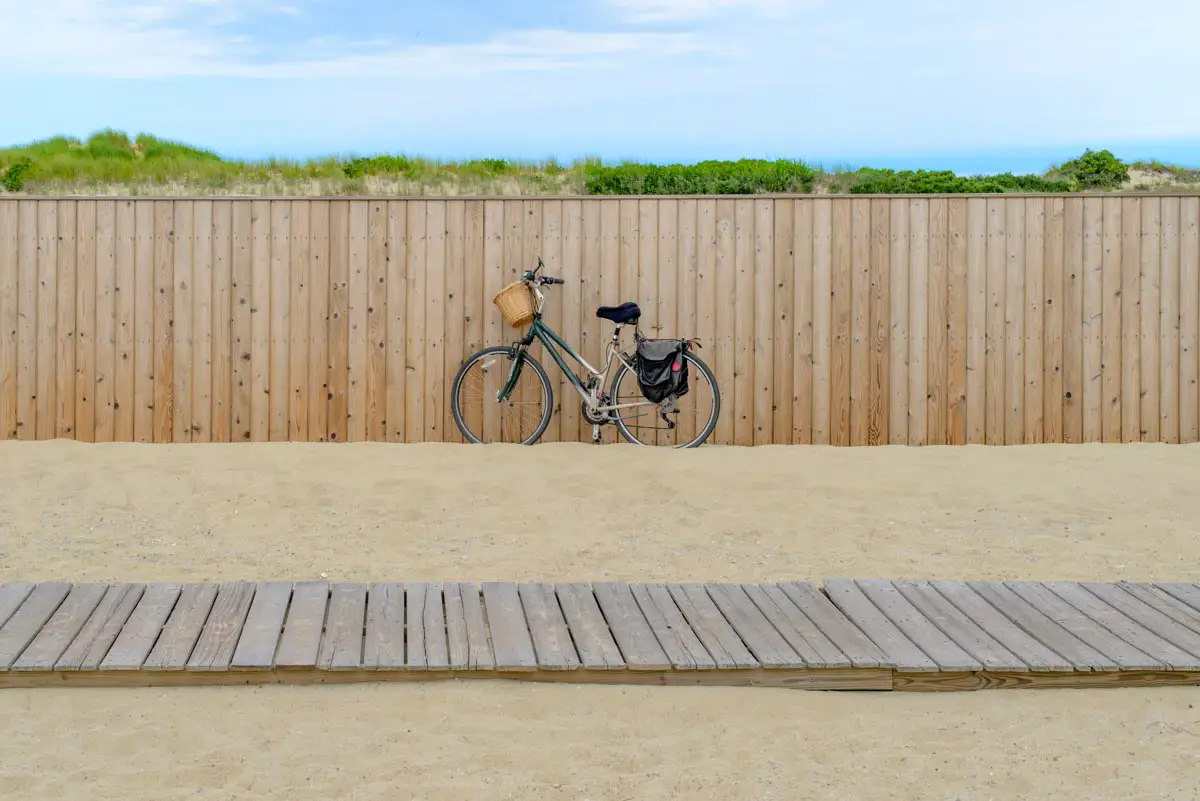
660,369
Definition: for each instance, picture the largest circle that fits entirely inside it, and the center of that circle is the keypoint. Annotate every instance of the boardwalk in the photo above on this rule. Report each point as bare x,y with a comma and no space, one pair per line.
846,635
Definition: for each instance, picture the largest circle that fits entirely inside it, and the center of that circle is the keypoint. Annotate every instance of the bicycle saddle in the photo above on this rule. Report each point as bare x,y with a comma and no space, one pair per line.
625,313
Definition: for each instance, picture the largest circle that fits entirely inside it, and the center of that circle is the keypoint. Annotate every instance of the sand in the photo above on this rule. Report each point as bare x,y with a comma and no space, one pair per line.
574,512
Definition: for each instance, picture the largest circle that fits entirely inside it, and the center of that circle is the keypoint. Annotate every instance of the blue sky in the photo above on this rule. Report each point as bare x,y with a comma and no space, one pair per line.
958,84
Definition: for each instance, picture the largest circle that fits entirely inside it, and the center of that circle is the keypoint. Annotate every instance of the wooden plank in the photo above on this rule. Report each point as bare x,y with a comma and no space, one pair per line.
809,643
978,314
686,285
937,362
222,322
1014,322
437,655
956,321
588,629
479,642
342,646
85,322
182,333
25,623
475,298
300,304
358,299
918,321
548,630
849,598
1169,325
1185,593
880,324
511,641
144,305
919,629
822,294
64,383
633,634
495,278
106,318
997,243
607,285
678,640
1131,329
416,596
1164,603
12,595
841,322
995,626
262,257
264,624
1083,627
414,382
1095,300
1074,323
1052,345
764,328
455,314
803,272
787,334
88,649
319,254
900,222
743,323
543,237
1158,623
383,646
49,644
1029,619
711,627
27,327
276,313
958,626
219,637
141,630
1149,281
724,272
242,288
458,644
200,423
760,637
1033,404
179,634
339,321
830,622
1112,352
45,383
9,246
1189,319
301,640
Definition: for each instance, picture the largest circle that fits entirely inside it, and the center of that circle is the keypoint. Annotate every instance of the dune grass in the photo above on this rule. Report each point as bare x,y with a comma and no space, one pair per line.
111,162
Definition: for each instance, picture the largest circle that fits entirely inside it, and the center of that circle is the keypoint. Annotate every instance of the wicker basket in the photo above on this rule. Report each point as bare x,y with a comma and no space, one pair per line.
516,304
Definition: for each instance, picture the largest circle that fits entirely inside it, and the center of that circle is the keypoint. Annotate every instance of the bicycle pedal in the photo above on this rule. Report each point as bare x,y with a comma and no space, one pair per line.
595,432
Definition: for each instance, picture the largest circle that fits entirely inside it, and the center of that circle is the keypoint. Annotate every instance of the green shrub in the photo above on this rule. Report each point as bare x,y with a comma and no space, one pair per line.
13,178
1095,169
744,177
923,182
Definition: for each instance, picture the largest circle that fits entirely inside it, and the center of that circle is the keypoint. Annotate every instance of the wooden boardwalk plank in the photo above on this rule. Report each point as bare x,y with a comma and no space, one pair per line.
457,642
511,642
1162,602
955,624
1083,627
551,638
831,622
1149,618
1029,619
11,598
918,628
415,595
182,629
1005,632
221,632
849,598
56,636
264,624
761,638
719,638
143,627
479,641
437,653
679,642
383,648
91,645
809,643
25,623
342,646
1185,593
632,632
597,648
301,639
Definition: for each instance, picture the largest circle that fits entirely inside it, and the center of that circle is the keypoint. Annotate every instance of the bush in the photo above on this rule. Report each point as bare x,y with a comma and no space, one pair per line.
923,182
13,178
1095,169
744,177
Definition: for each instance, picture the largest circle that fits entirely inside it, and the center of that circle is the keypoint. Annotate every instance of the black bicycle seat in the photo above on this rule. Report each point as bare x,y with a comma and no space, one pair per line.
625,313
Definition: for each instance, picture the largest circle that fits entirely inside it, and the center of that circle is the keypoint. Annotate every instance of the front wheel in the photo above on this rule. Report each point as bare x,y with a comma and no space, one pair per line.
481,417
693,414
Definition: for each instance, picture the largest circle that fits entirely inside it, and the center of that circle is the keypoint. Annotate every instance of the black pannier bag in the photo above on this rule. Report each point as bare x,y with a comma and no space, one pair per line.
662,370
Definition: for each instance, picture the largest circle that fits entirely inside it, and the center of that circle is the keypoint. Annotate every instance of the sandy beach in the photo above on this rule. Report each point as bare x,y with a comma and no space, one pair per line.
561,512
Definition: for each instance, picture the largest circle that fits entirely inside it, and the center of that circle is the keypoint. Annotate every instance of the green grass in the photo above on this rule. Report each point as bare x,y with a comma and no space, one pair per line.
112,162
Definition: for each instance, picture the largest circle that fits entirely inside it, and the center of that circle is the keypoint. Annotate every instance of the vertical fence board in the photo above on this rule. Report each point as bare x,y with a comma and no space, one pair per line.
397,319
261,257
860,320
202,335
763,342
1168,345
880,323
918,300
337,420
414,386
1033,402
1130,325
222,321
242,287
956,322
1149,278
841,322
979,313
937,357
822,304
803,241
1053,262
85,323
687,284
1075,323
27,319
725,271
64,389
181,384
357,301
45,387
106,316
1014,322
299,322
898,302
1189,320
455,319
743,323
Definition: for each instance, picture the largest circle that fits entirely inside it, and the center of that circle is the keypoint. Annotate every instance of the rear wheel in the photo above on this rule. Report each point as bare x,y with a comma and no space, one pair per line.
522,417
694,414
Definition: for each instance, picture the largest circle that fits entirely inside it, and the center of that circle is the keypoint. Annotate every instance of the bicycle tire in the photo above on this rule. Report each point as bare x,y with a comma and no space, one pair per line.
709,427
507,351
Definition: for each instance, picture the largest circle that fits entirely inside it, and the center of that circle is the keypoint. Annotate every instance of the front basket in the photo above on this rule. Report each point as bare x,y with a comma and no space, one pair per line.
516,304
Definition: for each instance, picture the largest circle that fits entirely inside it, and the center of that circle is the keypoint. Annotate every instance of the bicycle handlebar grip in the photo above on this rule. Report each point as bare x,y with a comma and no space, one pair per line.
551,280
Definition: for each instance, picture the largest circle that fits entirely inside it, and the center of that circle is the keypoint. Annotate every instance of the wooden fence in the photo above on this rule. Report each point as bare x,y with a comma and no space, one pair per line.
839,320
